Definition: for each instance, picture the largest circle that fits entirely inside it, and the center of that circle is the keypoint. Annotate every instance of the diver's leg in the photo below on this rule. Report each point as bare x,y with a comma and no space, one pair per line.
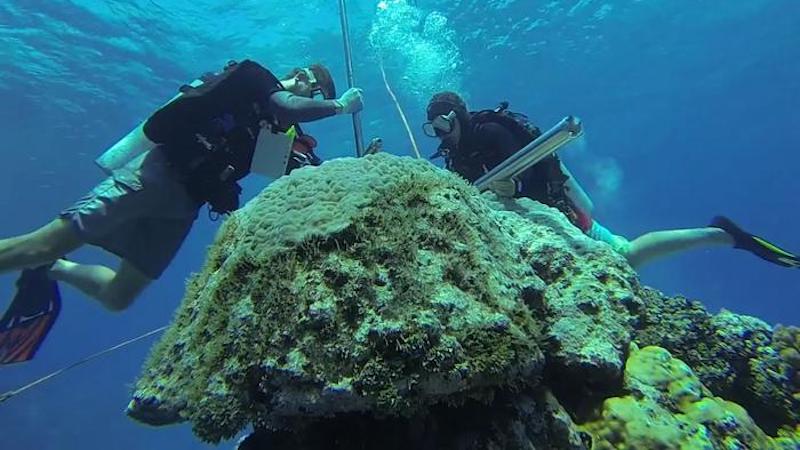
115,290
658,244
39,247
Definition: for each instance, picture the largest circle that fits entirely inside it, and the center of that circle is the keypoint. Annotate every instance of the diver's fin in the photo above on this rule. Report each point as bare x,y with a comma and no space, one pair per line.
756,245
30,316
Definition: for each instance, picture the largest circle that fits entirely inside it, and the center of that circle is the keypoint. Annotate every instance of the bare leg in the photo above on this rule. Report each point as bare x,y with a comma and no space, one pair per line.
114,290
42,246
658,244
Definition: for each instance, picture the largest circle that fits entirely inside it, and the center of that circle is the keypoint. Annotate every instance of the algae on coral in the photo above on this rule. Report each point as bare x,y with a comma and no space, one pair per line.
384,293
381,284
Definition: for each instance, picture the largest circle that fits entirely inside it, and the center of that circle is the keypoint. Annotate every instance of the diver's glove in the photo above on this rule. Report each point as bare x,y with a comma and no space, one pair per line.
352,101
756,245
504,189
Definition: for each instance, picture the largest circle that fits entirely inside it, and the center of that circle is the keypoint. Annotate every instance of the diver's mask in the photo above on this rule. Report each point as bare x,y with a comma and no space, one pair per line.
316,89
440,126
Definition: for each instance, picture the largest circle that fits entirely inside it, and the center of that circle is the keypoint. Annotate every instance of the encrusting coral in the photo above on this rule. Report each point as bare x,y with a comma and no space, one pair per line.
735,356
668,407
787,343
384,294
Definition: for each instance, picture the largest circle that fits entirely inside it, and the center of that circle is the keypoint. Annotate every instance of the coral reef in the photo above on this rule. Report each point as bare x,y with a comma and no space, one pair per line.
668,407
387,296
787,343
371,288
735,356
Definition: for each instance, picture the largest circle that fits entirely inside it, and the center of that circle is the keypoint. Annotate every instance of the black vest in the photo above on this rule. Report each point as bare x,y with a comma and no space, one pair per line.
210,131
543,182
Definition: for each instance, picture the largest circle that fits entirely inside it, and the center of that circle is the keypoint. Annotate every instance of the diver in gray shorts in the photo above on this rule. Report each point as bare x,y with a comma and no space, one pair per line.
190,152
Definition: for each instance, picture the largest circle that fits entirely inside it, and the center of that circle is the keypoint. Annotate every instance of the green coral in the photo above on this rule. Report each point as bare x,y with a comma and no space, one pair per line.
669,408
382,291
331,292
786,341
588,301
735,356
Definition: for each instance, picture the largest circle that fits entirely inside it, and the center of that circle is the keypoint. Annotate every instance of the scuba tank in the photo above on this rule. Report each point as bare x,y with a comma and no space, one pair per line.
134,144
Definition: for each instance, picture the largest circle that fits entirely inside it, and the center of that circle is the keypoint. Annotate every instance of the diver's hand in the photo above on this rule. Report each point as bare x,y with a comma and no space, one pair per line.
375,146
352,101
504,189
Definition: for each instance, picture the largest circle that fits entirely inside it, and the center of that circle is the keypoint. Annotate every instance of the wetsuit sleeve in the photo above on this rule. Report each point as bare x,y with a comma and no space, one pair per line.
290,108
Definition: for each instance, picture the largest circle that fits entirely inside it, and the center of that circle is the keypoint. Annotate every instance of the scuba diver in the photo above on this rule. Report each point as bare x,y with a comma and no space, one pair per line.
473,143
190,152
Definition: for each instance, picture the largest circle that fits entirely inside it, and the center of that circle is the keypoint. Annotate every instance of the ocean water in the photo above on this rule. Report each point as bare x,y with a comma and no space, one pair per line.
690,110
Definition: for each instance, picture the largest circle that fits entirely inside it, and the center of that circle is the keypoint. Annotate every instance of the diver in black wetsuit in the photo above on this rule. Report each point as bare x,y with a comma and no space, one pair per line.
473,143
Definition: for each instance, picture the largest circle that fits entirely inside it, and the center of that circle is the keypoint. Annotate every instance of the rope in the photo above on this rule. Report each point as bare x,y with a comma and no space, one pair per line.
15,392
400,110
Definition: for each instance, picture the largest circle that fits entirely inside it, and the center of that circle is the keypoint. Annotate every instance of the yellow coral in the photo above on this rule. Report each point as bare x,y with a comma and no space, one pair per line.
668,408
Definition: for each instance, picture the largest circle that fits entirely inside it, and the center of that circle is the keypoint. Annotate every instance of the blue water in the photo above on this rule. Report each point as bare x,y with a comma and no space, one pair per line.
690,110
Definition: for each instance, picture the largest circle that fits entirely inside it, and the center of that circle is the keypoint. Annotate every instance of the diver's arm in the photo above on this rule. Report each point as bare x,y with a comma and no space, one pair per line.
290,108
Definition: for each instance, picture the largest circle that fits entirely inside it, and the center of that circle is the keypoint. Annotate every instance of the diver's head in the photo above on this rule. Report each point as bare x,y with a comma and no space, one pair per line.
447,118
310,81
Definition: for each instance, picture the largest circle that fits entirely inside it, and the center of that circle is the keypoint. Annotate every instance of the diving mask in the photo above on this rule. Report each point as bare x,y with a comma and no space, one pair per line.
440,126
316,89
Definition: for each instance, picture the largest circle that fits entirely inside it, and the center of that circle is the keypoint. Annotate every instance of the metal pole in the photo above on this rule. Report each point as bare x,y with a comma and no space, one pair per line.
350,81
565,131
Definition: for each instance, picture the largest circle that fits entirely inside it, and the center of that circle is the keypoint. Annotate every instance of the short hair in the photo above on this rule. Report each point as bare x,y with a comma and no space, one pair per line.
443,102
323,76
